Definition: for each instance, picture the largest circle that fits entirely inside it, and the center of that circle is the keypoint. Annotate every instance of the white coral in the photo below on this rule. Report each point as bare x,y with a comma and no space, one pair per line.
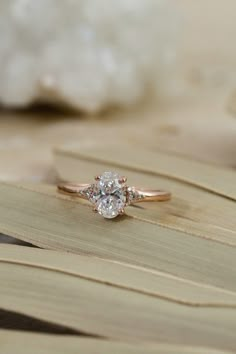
88,54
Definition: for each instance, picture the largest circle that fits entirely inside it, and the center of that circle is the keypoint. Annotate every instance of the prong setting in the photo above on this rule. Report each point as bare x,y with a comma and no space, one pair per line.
122,211
123,179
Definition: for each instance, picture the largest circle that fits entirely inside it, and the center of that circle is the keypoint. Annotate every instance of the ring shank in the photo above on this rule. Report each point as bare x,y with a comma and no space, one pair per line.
152,195
142,195
73,189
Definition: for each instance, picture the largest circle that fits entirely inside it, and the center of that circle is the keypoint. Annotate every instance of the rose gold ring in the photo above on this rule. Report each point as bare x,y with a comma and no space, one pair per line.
110,195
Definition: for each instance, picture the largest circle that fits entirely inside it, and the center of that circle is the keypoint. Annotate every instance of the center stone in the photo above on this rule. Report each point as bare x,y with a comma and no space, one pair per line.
109,195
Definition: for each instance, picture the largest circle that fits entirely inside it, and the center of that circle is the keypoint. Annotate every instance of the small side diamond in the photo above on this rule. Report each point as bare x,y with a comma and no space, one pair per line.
87,192
133,195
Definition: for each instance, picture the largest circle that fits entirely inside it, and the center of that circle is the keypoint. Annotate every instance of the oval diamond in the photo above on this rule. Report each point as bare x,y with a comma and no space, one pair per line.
109,195
109,182
109,206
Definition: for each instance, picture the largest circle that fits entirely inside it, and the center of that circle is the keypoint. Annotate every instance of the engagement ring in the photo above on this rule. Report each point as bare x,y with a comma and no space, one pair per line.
110,194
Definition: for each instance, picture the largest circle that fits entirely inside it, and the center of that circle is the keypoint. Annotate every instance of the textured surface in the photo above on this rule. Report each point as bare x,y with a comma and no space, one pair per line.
201,203
162,270
45,344
54,294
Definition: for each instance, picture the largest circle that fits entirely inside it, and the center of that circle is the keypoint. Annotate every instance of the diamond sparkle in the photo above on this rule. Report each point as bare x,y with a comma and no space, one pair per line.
109,195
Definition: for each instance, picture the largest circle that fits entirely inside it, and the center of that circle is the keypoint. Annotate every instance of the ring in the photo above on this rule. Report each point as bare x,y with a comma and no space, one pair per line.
110,195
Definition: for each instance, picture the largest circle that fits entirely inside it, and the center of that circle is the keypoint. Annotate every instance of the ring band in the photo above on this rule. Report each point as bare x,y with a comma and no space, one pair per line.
143,195
110,194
